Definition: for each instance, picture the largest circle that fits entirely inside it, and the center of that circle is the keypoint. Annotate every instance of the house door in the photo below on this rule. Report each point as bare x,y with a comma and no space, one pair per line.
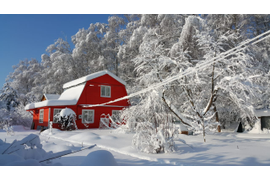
265,122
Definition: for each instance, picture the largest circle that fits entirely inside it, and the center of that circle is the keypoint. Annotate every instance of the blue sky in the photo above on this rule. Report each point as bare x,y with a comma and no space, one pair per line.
26,36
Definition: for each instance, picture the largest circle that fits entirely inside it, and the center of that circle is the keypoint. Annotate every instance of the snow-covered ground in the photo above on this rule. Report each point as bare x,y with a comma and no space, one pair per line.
221,149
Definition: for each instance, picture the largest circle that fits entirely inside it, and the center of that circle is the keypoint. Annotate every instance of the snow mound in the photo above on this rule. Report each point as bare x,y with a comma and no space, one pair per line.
53,131
85,136
99,158
19,128
28,162
7,158
108,137
25,152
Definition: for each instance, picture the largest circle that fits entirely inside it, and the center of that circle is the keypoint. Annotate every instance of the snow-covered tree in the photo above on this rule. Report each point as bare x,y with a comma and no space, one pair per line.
58,67
229,85
111,42
8,97
87,52
21,87
24,79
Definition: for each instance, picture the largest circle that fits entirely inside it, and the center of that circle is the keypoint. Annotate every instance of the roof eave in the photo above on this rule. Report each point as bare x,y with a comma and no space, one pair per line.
94,75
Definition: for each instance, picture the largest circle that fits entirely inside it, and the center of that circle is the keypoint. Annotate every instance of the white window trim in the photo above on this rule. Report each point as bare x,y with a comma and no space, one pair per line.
93,116
54,113
105,91
41,120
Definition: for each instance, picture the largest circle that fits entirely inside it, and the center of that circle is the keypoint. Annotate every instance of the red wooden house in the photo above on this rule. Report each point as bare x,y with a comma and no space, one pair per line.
93,89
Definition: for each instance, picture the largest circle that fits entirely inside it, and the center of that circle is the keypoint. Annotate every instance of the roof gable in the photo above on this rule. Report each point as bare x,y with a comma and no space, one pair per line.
51,96
68,97
92,76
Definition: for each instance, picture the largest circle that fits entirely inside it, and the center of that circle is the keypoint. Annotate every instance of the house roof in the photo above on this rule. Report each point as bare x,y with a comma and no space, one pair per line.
92,76
51,96
68,97
262,112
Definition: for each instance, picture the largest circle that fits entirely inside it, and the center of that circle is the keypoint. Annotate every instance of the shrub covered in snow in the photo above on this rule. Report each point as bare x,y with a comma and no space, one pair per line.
66,119
5,124
153,140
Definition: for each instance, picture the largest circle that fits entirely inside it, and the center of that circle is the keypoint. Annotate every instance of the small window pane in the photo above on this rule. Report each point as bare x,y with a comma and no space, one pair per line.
103,90
108,91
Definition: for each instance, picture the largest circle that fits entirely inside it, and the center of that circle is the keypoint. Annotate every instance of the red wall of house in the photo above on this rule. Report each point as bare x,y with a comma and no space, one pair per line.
98,111
92,91
36,117
90,95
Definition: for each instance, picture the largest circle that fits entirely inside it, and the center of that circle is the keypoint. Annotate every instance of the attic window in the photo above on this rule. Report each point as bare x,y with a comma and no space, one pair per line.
105,91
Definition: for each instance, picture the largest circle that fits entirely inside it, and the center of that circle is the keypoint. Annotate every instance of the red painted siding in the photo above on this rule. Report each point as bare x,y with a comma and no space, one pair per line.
92,91
98,111
90,95
45,117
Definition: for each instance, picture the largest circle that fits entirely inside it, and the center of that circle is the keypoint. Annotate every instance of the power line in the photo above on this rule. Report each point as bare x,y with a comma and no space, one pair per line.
189,71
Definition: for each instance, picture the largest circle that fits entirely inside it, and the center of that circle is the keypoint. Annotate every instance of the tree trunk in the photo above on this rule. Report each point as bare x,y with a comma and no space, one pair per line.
204,139
116,66
213,101
174,112
217,118
164,100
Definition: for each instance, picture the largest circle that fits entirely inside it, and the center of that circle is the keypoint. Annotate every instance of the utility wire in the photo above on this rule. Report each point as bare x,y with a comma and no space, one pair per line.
200,66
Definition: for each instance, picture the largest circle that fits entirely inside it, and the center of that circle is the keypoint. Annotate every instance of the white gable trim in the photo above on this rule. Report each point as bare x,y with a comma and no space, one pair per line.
92,76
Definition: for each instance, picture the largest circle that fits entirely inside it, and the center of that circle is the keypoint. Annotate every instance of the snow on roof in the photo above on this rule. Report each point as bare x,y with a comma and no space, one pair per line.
51,96
262,112
68,97
92,76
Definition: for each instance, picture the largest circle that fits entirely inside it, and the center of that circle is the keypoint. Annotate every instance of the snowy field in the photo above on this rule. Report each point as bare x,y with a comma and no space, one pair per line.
221,149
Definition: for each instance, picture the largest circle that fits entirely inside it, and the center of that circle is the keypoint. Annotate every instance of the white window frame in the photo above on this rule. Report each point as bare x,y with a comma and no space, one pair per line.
104,95
55,113
93,116
41,118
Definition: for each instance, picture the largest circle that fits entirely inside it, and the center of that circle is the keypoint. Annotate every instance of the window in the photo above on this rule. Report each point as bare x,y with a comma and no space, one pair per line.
115,115
41,115
88,116
105,91
55,111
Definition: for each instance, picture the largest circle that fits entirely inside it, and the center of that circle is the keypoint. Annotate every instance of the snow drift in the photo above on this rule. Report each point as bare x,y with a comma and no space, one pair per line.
99,158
